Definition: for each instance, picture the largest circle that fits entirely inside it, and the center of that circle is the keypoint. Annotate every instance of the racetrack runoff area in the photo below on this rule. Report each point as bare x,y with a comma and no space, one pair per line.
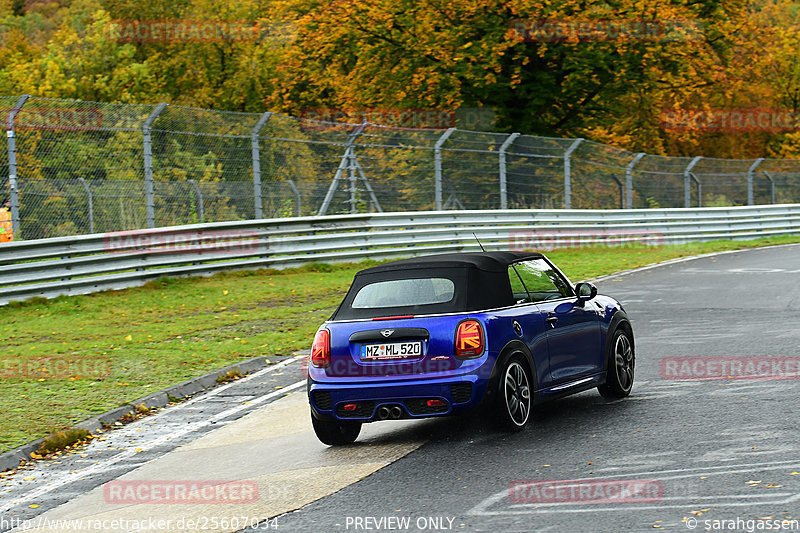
718,449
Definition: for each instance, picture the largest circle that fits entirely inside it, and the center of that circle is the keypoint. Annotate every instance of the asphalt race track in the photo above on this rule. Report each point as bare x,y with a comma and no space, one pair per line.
692,448
719,449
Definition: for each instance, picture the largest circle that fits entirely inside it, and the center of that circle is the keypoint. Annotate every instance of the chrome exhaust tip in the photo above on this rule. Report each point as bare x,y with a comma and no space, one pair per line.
397,412
383,412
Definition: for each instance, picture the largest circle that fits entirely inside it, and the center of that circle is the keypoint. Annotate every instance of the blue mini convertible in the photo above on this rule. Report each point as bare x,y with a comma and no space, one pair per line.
442,334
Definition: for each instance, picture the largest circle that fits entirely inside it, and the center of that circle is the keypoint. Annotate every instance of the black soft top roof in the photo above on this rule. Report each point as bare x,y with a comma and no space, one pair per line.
481,282
486,261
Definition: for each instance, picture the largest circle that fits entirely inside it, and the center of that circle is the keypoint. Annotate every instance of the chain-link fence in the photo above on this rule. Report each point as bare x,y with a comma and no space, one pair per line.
73,167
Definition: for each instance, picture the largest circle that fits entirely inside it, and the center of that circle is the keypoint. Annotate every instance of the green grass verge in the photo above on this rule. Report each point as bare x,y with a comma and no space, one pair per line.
69,358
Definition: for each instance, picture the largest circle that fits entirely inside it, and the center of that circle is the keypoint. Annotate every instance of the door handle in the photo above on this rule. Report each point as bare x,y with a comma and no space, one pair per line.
552,320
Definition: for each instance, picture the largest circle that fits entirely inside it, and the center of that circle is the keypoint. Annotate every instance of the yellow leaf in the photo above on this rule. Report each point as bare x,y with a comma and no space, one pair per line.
129,338
33,506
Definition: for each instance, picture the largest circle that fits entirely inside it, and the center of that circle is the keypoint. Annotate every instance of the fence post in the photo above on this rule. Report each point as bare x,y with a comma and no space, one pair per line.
568,172
437,168
750,172
687,182
699,189
351,179
296,195
503,182
376,205
11,136
259,208
199,194
771,186
89,199
344,164
148,164
629,180
621,191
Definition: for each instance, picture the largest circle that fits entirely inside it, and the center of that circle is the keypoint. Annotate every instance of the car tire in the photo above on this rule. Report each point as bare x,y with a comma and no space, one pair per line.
514,395
335,432
621,361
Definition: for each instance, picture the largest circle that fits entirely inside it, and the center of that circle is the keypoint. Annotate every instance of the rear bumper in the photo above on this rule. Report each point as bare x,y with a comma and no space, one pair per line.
458,393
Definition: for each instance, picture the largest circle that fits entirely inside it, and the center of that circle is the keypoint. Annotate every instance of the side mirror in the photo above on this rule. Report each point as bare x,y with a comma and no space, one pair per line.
585,291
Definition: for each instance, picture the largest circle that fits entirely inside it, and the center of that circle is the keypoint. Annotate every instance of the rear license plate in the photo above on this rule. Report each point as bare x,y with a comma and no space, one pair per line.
392,350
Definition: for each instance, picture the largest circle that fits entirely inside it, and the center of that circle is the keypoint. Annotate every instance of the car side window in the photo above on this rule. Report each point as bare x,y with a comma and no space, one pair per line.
517,288
540,281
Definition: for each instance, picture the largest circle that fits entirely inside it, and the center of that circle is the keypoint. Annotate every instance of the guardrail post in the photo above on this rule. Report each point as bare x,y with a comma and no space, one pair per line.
568,173
750,172
771,186
629,180
259,208
148,164
687,182
503,182
199,194
344,164
437,168
11,136
296,195
89,199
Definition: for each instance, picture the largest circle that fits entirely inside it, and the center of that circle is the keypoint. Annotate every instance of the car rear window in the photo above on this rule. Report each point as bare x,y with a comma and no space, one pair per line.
423,291
404,292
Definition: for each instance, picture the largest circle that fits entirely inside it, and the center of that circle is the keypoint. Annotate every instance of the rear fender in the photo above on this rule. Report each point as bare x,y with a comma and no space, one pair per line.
510,349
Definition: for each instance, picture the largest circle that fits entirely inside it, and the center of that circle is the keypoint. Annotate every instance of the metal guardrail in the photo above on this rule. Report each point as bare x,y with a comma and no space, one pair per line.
91,263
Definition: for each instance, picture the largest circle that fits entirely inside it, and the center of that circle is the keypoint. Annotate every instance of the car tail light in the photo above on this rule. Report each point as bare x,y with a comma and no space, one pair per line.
321,349
469,339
